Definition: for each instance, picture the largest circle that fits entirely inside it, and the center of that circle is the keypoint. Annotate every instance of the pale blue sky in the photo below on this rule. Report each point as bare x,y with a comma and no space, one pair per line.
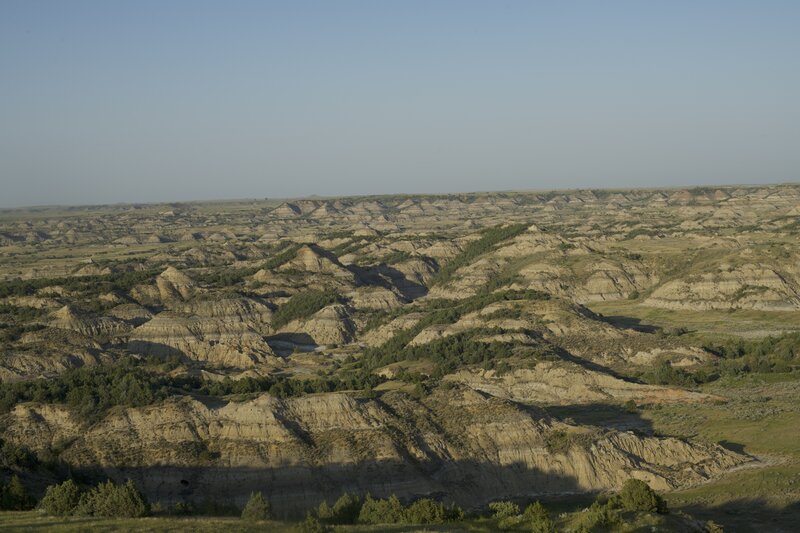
112,101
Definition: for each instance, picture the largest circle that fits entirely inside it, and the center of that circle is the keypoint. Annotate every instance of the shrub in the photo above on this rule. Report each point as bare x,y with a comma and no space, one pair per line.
504,509
311,525
113,501
61,500
14,496
425,511
344,511
388,511
257,508
636,495
599,515
539,518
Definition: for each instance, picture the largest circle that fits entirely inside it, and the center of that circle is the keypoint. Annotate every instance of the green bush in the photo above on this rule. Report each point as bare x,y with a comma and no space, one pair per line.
312,524
598,516
62,499
539,518
425,511
110,500
344,511
504,509
14,496
636,495
392,511
388,511
257,508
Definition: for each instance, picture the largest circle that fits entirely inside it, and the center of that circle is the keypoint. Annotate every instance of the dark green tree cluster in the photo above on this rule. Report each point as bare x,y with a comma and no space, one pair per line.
282,256
90,391
421,511
17,456
14,496
441,312
344,511
770,354
663,373
303,305
86,285
489,239
15,321
107,499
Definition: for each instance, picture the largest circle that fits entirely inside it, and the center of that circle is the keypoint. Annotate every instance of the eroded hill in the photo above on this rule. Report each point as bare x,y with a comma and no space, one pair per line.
412,345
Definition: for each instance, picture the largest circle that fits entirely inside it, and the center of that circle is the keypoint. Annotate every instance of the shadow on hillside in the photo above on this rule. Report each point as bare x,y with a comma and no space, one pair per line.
604,415
294,489
746,515
629,322
388,277
590,365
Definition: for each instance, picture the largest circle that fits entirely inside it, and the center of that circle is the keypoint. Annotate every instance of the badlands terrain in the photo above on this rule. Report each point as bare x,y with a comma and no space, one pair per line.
469,348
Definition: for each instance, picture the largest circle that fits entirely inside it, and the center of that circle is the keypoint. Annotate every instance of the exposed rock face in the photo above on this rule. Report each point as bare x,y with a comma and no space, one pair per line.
48,352
375,298
227,332
311,258
750,286
104,327
330,325
610,281
171,286
298,451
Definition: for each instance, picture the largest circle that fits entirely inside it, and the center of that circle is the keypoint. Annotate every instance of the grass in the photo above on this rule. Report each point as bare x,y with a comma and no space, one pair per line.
18,521
762,418
747,323
34,521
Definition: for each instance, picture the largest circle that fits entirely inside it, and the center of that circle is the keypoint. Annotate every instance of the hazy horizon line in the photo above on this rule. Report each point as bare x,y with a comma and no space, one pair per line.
379,195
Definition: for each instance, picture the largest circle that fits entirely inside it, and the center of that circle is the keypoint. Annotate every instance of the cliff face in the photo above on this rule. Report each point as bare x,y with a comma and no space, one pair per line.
460,443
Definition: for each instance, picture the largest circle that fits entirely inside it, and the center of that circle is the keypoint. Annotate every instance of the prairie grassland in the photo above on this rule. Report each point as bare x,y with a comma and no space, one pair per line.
741,322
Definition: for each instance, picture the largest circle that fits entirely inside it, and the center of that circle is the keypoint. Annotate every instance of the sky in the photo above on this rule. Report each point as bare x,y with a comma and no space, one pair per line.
146,101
